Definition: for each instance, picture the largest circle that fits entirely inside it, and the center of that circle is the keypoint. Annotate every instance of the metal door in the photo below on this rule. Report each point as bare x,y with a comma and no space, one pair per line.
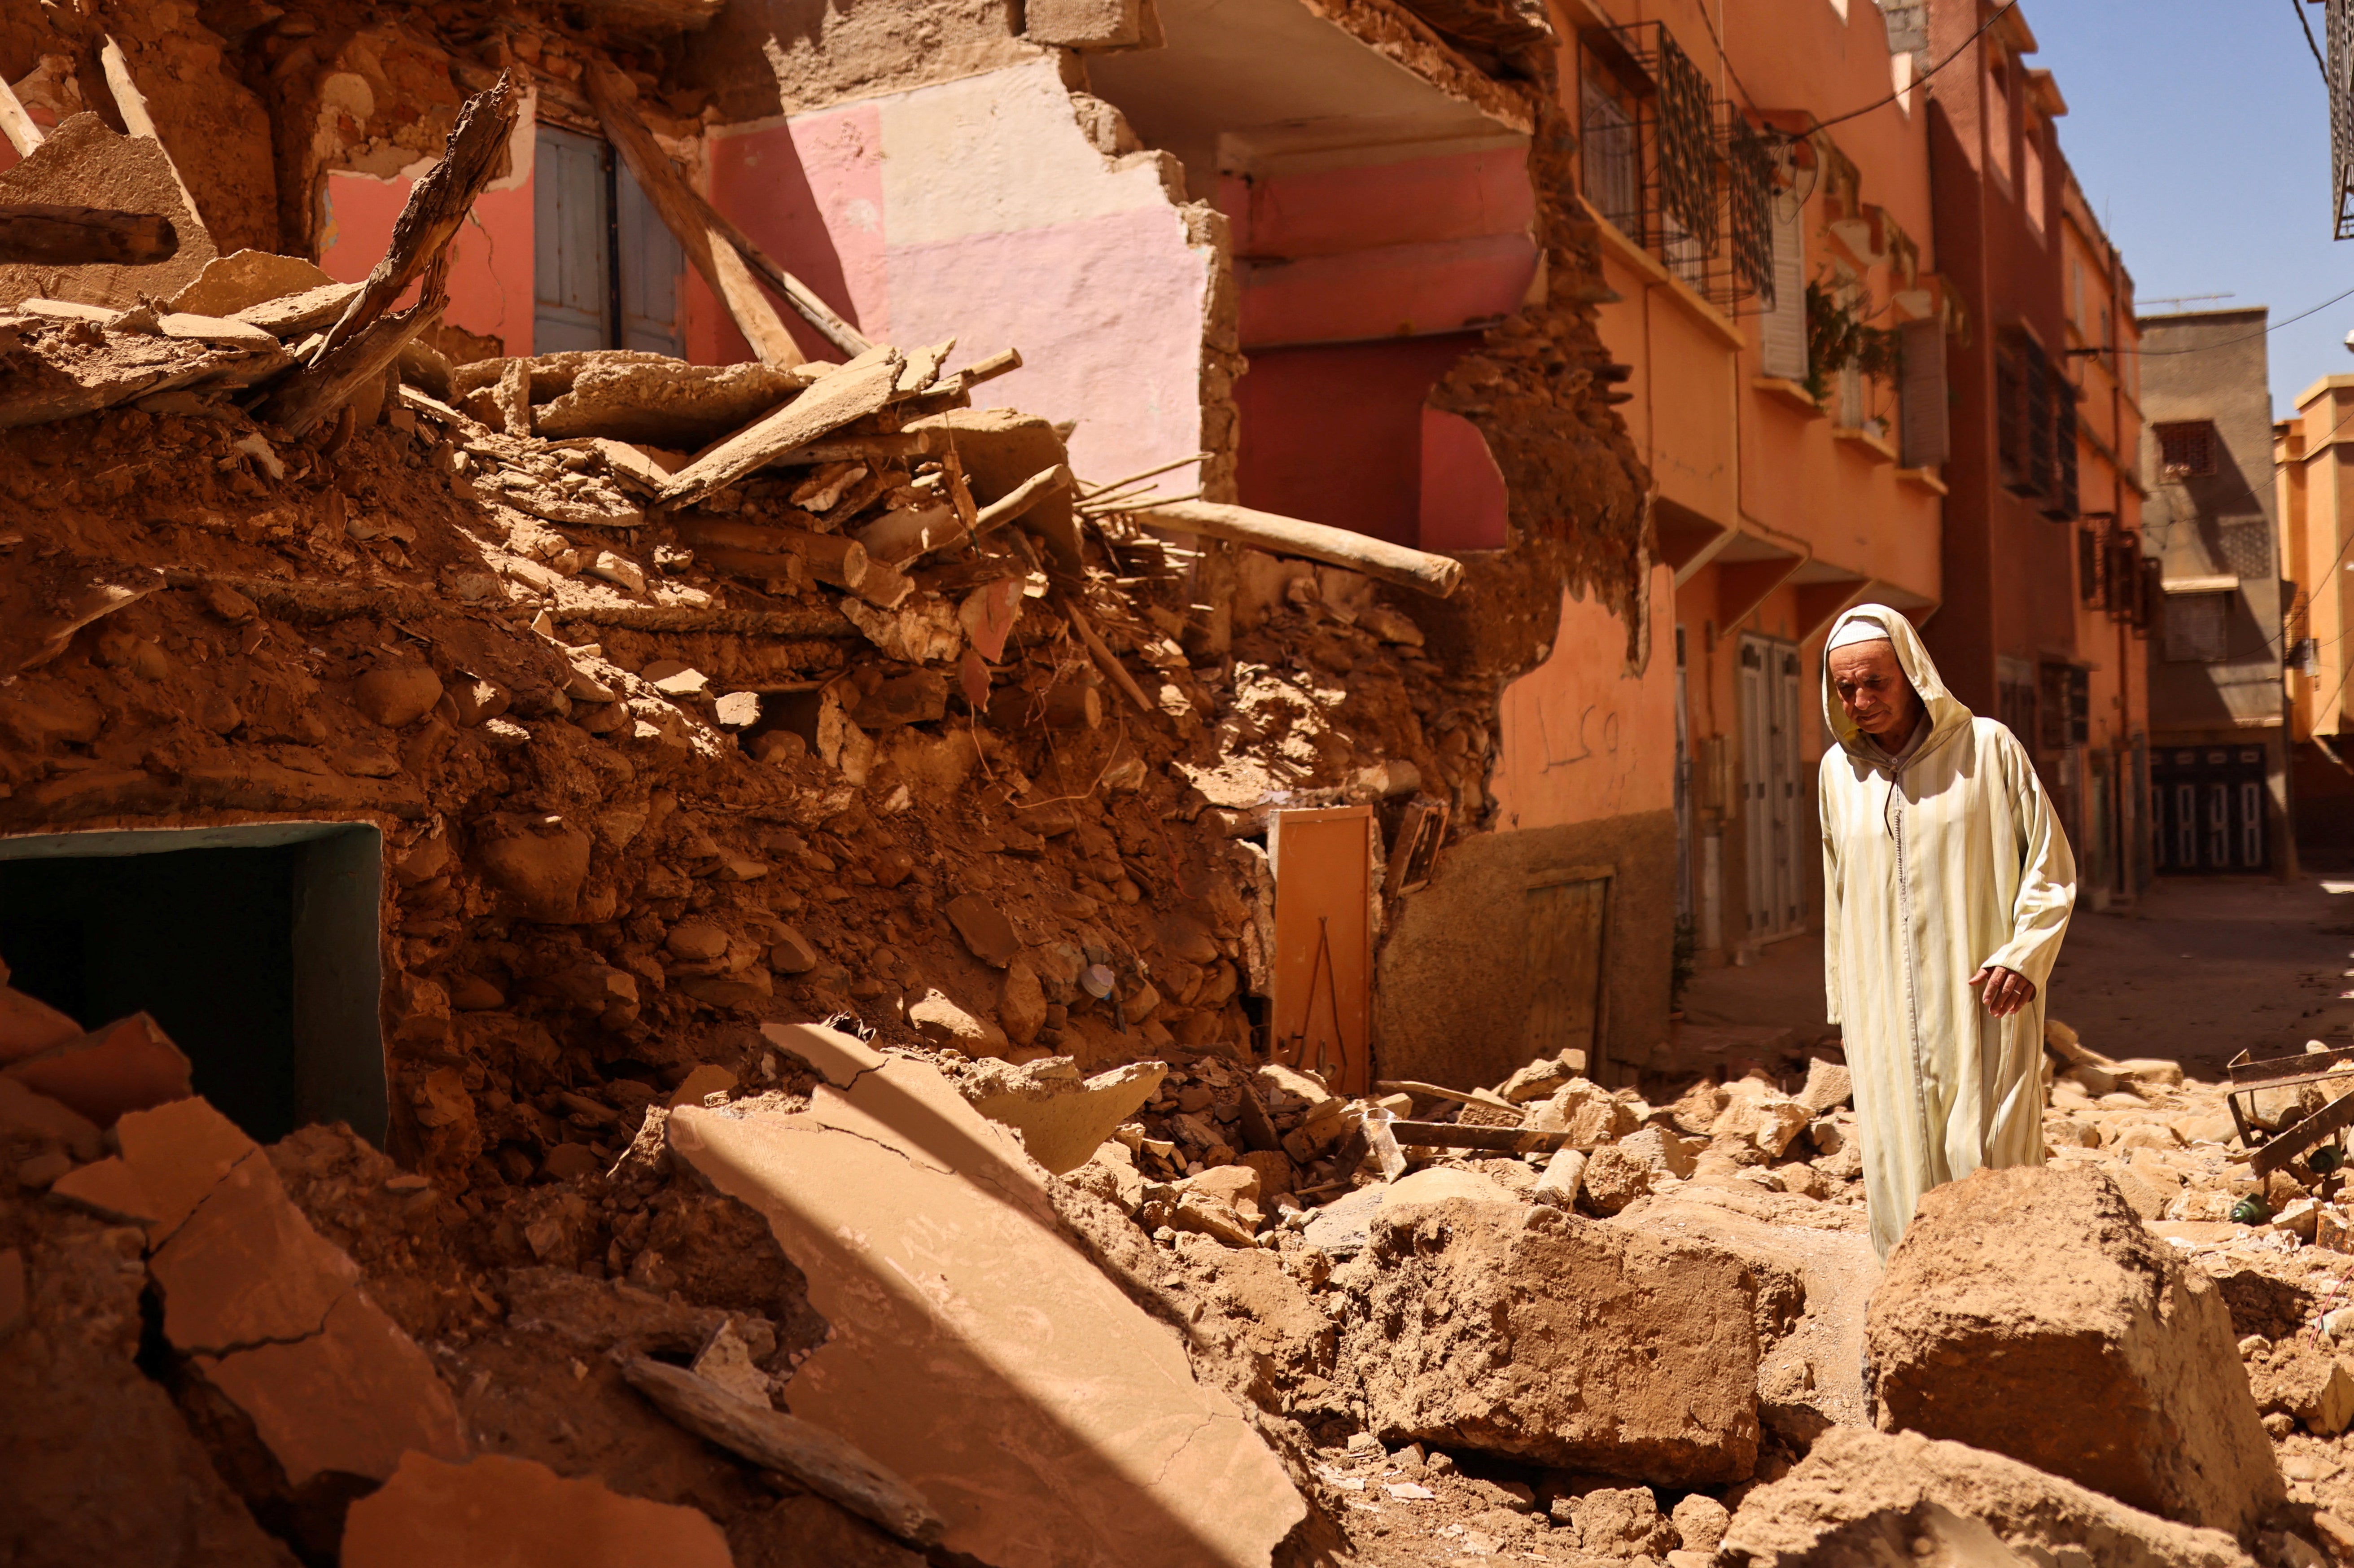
1770,771
2209,810
1568,916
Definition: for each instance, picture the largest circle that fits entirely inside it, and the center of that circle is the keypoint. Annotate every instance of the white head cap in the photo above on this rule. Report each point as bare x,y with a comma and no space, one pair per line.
1857,630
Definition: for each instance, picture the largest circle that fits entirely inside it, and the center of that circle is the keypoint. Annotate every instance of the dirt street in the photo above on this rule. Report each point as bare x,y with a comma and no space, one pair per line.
2198,969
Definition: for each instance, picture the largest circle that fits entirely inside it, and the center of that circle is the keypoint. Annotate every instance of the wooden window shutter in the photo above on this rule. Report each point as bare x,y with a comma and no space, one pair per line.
1783,329
1927,435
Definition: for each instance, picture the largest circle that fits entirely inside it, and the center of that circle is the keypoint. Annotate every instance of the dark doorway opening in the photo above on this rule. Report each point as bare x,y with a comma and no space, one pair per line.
254,948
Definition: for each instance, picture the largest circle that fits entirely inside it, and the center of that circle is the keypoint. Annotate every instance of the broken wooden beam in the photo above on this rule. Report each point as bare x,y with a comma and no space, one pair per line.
436,207
1418,569
23,132
50,234
802,1451
852,392
131,104
759,549
1011,505
1105,659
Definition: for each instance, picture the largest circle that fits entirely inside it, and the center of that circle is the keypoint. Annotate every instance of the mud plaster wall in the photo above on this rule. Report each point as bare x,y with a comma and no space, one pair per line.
979,210
1451,995
764,57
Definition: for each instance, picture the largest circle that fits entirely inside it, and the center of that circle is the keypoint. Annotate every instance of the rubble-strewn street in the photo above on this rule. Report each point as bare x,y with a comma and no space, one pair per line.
1032,786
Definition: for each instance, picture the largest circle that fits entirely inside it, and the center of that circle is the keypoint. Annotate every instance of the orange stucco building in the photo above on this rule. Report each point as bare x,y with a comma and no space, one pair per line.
1792,480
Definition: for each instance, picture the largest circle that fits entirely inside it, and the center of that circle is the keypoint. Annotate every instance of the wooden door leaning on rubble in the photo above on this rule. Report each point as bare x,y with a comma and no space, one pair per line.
1320,1007
1566,916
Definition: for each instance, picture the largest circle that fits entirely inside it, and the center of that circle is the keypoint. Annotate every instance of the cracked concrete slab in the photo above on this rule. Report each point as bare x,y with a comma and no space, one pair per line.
976,1351
271,1312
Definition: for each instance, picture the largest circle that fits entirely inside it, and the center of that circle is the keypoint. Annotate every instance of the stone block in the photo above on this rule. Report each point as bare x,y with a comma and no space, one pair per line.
29,1025
1861,1498
1085,24
987,934
1471,1324
39,1120
2027,1311
1062,1118
1591,1115
130,1064
516,1513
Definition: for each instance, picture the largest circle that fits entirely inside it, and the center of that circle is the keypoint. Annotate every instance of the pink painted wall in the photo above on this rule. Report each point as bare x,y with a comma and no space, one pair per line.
1581,737
1333,432
1427,245
491,273
810,193
1465,505
977,210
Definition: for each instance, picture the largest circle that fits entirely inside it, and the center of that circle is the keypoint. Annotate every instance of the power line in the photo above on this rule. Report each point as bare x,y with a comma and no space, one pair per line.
1881,104
2205,347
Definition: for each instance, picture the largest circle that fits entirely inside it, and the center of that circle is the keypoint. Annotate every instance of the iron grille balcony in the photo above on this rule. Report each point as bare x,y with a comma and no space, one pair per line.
1694,190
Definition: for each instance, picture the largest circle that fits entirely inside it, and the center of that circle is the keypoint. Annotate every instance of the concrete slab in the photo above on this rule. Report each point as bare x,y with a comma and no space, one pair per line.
976,1351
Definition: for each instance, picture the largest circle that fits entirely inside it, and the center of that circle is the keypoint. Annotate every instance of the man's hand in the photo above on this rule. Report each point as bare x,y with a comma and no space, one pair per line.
2007,990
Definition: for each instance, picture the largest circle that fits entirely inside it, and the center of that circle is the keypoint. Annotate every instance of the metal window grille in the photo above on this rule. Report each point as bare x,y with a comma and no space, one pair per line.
2195,625
1613,155
2063,468
2091,562
1749,198
1687,139
2338,23
1662,169
2041,420
2245,544
2187,449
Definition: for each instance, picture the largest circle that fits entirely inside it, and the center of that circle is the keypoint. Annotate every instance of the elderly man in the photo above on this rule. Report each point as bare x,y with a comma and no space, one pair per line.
1946,888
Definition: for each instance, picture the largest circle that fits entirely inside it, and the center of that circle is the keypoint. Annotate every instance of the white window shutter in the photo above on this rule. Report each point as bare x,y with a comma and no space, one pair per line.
1783,329
1926,432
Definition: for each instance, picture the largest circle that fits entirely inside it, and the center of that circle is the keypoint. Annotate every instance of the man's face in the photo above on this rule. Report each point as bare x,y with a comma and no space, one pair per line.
1871,687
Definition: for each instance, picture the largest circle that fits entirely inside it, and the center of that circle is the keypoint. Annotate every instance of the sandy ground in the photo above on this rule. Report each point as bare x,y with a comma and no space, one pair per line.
2198,969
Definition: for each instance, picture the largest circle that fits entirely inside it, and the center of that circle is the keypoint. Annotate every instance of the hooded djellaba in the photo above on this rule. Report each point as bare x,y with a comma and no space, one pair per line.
1939,861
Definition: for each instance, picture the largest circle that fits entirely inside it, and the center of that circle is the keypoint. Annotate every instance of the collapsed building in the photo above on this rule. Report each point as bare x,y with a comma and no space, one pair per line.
456,755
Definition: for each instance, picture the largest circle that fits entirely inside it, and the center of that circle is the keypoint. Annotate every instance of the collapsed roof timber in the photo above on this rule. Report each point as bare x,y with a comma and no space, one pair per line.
498,640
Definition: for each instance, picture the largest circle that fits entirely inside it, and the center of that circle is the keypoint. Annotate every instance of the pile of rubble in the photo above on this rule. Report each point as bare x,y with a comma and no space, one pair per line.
1287,1354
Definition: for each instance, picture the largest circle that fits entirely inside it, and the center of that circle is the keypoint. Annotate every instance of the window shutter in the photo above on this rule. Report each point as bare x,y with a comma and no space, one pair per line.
1783,329
1926,432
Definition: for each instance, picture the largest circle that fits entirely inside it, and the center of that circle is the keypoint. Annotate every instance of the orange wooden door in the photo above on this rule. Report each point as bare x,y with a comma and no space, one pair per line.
1321,1004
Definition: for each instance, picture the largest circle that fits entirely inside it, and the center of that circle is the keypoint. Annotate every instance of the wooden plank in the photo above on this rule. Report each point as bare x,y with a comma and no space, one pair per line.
436,207
828,1465
23,133
688,216
131,104
1416,570
859,388
2286,1145
53,235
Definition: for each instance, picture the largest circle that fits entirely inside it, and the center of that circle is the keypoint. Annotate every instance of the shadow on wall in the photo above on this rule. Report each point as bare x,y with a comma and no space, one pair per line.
761,180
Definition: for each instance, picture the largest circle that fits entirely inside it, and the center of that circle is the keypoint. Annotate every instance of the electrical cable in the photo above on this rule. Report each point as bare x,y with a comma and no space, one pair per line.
1999,11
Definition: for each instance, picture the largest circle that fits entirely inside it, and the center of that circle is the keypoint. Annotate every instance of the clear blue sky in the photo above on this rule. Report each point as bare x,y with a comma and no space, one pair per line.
2200,133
